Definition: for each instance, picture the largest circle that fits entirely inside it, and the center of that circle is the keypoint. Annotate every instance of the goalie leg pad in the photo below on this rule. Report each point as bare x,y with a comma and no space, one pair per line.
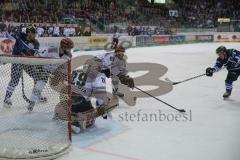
85,119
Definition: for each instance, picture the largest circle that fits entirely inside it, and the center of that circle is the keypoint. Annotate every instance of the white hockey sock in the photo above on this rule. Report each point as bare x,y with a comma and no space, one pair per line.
38,87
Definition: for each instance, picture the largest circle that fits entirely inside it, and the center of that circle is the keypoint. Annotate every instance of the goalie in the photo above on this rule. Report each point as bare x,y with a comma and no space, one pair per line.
83,114
93,79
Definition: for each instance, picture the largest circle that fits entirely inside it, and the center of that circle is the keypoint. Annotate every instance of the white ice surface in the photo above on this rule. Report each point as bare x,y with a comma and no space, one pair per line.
213,133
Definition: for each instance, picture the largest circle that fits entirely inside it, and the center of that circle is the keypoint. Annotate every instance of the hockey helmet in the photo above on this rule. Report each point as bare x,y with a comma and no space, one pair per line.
66,43
31,29
120,49
221,49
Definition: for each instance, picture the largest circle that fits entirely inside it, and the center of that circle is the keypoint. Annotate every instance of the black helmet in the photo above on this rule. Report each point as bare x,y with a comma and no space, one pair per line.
31,29
221,49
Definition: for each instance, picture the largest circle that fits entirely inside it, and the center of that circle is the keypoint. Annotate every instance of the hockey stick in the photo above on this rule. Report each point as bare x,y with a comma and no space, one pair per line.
23,93
180,110
174,83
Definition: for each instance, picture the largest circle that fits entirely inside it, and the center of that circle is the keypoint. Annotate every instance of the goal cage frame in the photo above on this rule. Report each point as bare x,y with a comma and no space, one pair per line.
35,135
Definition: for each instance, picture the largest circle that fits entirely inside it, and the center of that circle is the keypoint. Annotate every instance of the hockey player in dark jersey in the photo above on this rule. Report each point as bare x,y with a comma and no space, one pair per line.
115,39
25,45
230,58
40,81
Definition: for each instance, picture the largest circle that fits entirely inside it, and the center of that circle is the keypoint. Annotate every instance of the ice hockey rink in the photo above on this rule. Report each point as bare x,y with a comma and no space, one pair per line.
211,131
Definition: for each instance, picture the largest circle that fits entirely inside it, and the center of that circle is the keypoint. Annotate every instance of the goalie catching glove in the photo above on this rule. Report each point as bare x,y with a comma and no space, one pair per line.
126,80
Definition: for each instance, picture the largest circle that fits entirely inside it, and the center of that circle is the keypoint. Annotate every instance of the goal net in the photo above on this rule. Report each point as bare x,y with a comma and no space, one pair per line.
33,134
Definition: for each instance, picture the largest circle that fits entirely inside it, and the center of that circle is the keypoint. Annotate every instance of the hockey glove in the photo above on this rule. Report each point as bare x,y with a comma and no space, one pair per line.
232,62
106,72
210,71
32,48
126,80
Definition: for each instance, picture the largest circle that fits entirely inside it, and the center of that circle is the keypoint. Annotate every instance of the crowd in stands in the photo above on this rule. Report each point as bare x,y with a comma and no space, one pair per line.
48,30
136,15
205,13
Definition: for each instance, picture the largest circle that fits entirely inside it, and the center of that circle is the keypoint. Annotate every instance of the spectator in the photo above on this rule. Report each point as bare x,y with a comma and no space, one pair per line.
40,31
56,31
50,30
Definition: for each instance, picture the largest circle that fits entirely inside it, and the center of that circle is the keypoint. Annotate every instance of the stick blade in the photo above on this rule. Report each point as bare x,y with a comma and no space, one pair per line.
174,83
182,110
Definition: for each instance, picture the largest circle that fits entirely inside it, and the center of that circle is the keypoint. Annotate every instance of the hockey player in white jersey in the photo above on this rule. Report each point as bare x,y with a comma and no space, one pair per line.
110,65
63,51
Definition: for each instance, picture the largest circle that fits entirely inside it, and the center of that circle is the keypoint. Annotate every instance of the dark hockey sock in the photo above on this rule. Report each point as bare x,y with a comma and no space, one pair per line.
8,94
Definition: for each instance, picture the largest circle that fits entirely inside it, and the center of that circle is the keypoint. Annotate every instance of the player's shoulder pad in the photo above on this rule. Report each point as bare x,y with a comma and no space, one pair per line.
236,51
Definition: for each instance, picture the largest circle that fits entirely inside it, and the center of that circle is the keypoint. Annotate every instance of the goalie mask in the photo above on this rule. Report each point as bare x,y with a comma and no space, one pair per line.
66,44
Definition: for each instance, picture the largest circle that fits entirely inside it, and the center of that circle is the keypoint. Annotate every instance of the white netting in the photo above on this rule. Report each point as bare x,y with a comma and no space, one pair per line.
32,134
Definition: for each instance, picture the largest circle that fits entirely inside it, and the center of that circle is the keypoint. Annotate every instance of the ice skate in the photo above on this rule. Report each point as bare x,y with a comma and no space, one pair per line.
75,129
226,94
30,106
7,103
